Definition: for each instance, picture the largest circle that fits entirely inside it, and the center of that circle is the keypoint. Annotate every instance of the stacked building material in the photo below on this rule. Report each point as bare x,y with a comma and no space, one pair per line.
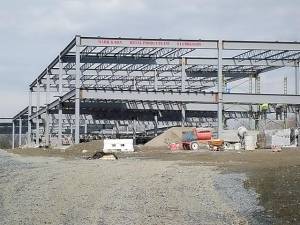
277,138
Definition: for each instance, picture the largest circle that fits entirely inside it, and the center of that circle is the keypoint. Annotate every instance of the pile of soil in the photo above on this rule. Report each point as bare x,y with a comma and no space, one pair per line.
171,135
90,147
74,151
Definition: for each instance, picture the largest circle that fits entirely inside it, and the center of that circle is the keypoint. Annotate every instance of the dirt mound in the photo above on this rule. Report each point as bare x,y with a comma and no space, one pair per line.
73,151
90,148
94,146
171,135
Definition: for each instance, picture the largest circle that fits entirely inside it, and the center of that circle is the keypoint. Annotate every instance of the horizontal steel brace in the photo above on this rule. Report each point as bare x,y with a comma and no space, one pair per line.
240,62
110,60
263,45
189,61
261,98
185,97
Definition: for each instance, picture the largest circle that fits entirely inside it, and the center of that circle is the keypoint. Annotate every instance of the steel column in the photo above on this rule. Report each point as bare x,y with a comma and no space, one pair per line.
60,91
47,110
117,126
297,78
183,115
85,127
220,88
134,130
60,124
155,124
133,83
297,90
29,120
13,135
37,121
20,131
250,106
257,84
285,82
183,74
155,80
77,94
257,91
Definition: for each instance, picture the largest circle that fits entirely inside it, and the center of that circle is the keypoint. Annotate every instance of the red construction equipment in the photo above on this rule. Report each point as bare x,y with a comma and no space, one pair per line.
216,145
191,140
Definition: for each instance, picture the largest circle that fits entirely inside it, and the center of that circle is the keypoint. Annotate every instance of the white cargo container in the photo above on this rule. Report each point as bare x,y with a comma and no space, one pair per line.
118,145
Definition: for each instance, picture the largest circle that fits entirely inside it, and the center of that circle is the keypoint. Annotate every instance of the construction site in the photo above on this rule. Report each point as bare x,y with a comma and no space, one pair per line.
99,88
177,142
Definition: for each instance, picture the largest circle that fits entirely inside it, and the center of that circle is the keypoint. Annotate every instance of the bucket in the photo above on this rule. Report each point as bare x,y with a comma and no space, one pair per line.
174,146
237,146
250,142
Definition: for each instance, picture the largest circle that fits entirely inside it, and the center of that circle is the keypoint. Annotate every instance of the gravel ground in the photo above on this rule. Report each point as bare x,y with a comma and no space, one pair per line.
231,187
40,190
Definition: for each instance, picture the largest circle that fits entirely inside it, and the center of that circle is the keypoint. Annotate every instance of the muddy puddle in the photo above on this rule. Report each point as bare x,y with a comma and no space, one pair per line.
279,192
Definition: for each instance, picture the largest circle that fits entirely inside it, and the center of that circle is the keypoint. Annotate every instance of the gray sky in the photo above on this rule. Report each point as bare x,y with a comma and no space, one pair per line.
34,31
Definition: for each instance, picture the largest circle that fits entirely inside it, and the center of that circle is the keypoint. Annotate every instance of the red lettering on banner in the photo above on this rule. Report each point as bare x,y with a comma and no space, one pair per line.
109,42
150,43
188,44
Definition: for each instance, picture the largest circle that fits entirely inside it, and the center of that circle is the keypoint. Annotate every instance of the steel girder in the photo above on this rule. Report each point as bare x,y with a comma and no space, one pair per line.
187,97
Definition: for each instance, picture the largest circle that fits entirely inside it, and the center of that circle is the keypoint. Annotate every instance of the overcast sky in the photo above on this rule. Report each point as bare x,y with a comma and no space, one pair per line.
34,31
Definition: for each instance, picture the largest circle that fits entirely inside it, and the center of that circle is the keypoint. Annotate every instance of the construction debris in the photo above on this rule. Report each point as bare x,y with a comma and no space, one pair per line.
103,155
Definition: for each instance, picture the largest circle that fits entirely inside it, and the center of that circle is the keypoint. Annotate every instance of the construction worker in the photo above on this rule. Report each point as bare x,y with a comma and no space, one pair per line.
296,136
263,110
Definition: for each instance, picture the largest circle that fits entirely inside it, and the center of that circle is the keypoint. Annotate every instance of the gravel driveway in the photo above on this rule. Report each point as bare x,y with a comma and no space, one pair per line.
36,190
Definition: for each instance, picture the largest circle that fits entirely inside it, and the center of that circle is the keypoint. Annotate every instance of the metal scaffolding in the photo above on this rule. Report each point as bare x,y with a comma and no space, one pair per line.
154,83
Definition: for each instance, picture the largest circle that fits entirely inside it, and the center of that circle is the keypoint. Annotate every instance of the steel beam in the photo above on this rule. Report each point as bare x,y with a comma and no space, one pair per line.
263,45
148,43
240,62
130,122
153,96
185,97
244,99
22,114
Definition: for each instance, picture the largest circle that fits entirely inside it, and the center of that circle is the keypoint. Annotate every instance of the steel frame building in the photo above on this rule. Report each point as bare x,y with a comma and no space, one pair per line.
122,81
